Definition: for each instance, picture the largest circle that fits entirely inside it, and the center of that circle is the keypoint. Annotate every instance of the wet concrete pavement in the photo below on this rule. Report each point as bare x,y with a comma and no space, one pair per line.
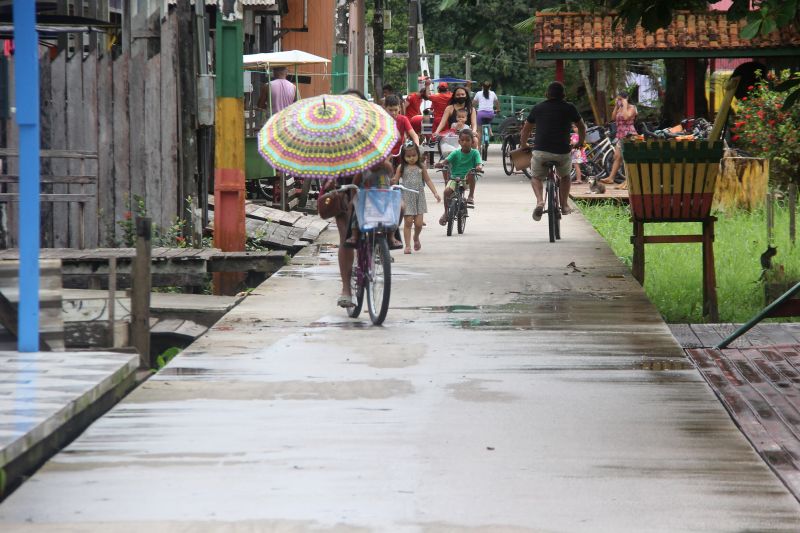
506,391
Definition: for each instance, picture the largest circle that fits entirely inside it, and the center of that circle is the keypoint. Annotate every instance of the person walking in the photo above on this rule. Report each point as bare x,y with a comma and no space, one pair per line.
624,115
411,173
284,92
553,119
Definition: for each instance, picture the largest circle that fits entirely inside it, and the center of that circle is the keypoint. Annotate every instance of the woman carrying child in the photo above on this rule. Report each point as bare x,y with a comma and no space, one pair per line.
412,174
459,100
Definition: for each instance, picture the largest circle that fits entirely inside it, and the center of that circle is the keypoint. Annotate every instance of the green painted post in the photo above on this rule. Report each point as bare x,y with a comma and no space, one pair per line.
340,74
229,157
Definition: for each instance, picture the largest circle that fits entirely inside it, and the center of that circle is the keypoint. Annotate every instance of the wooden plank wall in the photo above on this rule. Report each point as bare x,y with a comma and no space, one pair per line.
125,110
320,24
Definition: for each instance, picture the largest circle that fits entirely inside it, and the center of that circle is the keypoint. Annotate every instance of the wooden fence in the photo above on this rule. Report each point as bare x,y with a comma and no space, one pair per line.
124,109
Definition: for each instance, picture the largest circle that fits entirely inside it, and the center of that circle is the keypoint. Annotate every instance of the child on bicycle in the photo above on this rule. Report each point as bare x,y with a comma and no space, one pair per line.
411,172
462,162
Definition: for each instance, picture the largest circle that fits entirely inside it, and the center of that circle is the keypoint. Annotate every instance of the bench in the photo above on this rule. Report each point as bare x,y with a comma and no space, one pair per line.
674,181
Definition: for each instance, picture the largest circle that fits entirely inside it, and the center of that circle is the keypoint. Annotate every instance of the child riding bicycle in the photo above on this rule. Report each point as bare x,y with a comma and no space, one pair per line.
461,162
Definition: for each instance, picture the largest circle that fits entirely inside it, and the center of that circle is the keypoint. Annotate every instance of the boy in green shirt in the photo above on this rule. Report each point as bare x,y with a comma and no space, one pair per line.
461,164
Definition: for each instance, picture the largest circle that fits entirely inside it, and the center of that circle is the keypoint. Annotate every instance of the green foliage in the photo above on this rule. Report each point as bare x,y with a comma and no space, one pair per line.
766,16
673,272
254,244
484,29
768,127
166,357
170,237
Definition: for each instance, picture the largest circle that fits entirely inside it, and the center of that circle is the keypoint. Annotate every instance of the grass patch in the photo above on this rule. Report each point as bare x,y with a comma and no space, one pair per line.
673,272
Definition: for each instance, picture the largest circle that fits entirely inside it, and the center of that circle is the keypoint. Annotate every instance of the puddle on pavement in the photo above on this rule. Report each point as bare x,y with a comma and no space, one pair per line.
188,371
352,324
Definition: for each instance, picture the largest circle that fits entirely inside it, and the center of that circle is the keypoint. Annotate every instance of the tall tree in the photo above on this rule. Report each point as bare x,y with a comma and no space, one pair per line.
485,28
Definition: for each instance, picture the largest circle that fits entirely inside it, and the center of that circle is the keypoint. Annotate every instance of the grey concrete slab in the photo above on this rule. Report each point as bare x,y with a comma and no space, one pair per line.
507,391
40,393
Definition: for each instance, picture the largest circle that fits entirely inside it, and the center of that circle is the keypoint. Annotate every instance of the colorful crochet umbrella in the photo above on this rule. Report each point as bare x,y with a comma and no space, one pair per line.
327,137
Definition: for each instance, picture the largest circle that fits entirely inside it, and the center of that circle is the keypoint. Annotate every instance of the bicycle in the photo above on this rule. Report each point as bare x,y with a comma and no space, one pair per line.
510,129
552,200
485,138
457,207
377,212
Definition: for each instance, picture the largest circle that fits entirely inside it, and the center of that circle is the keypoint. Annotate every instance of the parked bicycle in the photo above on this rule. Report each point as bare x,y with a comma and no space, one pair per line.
600,154
377,213
510,129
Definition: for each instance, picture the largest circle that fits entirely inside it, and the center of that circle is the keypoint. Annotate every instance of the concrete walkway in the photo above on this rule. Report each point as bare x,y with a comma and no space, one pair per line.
507,391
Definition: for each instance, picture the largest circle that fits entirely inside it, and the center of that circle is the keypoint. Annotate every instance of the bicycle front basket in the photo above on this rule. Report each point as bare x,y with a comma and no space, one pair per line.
376,207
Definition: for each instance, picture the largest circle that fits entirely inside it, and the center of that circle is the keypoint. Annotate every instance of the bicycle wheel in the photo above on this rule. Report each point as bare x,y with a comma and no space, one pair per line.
379,280
462,218
507,147
558,212
552,208
357,277
452,213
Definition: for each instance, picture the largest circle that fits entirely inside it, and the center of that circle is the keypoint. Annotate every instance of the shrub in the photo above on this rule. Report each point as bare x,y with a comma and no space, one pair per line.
765,128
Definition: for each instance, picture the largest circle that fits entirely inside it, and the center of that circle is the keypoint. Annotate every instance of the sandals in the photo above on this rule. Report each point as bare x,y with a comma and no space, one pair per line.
537,212
407,251
417,246
471,201
345,301
607,181
443,220
395,245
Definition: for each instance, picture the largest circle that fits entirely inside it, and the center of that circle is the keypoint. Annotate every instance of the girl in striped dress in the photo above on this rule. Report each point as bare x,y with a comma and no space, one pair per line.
413,175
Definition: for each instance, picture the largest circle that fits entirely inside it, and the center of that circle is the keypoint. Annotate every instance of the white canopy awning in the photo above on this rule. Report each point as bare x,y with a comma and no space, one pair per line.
282,59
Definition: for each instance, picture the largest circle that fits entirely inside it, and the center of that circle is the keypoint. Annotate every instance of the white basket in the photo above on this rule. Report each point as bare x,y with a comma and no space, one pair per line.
378,207
592,136
449,143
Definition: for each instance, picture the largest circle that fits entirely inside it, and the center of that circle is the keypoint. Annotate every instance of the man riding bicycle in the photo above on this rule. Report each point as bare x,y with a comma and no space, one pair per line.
553,119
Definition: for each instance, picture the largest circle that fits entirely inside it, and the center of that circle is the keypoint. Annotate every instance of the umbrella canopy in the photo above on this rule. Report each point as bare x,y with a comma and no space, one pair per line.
449,79
282,59
327,137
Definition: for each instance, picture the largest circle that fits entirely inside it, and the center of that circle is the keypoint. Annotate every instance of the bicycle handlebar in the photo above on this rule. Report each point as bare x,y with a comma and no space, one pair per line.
398,186
351,186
